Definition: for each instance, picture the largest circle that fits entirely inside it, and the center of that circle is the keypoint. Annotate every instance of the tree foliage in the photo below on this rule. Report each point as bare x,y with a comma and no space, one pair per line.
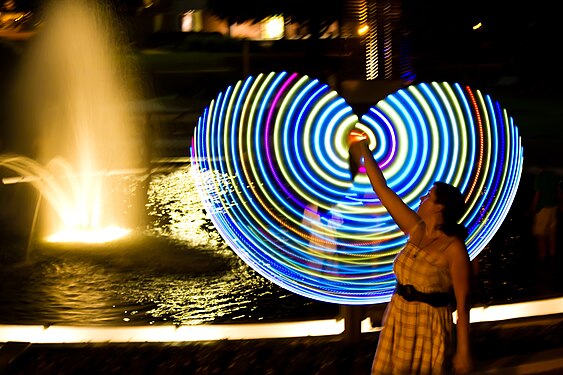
125,6
28,5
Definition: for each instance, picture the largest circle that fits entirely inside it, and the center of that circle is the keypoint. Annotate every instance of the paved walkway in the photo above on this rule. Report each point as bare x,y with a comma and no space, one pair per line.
544,362
529,346
517,346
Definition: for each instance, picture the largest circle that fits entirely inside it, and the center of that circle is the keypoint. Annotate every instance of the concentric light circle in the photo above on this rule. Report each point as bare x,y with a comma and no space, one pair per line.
271,164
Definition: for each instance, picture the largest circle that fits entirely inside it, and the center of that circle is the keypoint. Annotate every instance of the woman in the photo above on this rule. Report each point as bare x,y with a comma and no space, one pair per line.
417,335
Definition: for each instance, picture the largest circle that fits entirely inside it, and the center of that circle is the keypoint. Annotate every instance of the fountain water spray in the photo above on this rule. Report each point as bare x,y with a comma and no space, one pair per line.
76,127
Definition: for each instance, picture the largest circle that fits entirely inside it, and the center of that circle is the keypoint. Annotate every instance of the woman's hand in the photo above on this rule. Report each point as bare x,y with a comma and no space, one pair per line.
356,136
356,142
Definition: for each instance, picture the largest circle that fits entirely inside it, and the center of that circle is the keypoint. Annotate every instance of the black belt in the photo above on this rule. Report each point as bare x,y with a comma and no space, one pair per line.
410,294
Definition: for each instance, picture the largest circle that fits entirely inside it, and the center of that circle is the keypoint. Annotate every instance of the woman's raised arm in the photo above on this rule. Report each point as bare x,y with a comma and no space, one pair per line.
402,214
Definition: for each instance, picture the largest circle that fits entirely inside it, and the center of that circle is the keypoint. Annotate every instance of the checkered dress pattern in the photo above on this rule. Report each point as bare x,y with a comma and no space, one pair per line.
416,338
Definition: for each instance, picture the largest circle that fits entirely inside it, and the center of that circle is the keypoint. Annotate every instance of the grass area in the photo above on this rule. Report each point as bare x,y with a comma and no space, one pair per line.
163,60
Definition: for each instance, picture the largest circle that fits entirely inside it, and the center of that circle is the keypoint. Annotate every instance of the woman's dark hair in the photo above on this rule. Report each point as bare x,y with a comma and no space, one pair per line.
454,207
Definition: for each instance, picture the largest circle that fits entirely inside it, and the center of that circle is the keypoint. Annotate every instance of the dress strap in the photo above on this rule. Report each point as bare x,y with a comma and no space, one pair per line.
414,230
446,245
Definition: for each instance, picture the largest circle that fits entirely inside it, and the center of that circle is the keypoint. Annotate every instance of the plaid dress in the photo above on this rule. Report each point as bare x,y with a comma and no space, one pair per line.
416,338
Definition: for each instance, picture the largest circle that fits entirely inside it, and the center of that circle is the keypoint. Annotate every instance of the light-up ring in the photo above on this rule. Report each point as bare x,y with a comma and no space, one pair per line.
270,158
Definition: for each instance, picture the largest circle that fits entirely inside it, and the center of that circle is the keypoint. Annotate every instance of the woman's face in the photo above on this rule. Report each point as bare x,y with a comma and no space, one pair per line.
427,202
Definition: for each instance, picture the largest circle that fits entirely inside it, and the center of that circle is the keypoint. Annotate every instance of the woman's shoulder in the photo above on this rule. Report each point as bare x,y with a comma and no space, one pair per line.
457,249
456,244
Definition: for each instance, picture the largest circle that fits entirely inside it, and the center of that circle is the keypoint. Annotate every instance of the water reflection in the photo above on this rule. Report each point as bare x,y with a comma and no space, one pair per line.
176,211
173,283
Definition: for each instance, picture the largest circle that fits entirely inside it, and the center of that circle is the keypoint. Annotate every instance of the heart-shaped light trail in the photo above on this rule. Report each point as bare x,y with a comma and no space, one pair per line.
270,159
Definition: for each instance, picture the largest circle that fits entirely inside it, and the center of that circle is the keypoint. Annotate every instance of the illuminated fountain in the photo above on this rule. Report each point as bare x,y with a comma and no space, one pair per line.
78,147
77,131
